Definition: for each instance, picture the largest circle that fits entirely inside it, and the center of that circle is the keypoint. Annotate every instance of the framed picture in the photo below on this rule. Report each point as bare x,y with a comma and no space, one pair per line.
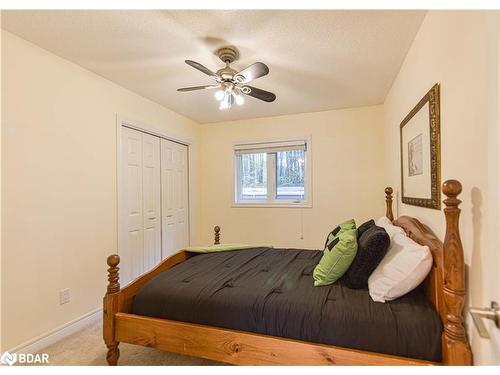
421,153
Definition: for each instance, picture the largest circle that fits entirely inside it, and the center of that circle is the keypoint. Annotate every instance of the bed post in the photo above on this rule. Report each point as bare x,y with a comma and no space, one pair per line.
216,235
456,350
388,203
110,309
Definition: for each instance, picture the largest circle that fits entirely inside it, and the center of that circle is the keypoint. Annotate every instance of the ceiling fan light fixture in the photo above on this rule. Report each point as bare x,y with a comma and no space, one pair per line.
239,99
226,101
224,104
219,95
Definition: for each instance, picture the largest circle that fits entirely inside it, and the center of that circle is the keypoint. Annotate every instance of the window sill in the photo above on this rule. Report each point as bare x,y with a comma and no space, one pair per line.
271,205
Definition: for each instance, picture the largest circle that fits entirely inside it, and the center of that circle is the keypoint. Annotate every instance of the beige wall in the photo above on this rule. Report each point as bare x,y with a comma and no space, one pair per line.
347,176
59,184
459,49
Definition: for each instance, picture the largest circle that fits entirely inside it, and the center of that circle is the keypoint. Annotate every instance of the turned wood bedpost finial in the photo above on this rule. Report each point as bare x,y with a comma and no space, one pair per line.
217,235
388,203
113,275
111,301
456,350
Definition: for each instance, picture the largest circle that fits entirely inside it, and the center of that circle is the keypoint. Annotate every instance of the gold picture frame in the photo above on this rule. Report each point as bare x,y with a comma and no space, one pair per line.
420,151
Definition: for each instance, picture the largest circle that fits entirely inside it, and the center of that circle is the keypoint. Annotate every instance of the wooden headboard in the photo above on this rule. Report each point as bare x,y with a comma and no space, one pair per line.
445,285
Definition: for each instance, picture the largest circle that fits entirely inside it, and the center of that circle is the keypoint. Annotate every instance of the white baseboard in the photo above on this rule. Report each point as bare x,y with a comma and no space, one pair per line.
40,342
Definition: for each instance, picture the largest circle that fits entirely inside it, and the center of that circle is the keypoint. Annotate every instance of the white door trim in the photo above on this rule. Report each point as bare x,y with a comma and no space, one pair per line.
162,133
121,122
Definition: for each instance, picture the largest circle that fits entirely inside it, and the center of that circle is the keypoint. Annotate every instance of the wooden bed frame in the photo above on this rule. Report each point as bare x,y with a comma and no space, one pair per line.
445,288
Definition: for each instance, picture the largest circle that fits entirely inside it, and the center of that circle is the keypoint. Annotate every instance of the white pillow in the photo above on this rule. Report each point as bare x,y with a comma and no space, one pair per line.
403,268
391,229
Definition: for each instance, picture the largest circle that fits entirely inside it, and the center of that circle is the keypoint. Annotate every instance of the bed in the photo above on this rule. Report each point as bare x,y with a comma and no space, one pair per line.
258,307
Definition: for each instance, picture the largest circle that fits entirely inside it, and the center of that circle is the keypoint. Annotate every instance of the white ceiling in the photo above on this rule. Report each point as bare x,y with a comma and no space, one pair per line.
318,59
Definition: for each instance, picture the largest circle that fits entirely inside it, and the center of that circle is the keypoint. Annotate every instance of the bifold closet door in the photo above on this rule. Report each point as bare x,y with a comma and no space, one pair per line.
151,200
174,197
140,242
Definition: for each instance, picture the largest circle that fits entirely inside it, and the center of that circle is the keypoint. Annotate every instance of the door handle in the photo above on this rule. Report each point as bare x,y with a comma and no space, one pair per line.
151,218
492,313
169,215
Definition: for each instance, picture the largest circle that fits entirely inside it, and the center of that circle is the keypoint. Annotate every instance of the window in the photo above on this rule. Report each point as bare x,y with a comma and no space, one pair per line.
272,174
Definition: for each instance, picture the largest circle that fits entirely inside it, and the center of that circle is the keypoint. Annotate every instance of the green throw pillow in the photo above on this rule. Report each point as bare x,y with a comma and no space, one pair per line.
337,257
348,224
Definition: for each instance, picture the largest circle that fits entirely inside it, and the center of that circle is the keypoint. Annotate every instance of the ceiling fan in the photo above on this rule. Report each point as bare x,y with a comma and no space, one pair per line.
230,84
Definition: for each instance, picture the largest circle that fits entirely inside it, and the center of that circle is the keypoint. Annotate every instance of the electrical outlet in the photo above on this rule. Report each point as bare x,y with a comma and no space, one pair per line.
64,296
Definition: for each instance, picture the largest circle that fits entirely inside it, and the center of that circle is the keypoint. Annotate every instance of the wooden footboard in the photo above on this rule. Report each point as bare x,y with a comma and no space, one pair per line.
243,348
445,289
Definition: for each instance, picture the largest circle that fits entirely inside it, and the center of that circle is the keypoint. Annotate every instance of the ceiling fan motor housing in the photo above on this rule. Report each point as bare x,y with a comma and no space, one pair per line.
226,73
227,54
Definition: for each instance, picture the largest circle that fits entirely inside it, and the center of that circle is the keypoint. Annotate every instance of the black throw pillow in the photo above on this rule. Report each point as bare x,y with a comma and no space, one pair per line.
372,247
365,226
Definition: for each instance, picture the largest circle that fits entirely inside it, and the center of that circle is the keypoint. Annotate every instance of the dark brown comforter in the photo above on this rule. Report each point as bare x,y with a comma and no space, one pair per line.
271,291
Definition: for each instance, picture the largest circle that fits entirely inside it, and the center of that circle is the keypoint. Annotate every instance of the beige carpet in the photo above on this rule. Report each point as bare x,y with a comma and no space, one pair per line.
86,347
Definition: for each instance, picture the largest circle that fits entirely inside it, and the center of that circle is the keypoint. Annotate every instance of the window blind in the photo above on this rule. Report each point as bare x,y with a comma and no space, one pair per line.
270,147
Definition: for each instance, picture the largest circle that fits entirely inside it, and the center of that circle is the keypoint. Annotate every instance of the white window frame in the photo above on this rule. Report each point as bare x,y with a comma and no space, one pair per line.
271,200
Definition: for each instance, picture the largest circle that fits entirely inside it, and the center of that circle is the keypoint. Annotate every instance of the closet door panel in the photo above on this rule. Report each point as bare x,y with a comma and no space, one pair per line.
174,197
131,243
168,194
182,197
151,201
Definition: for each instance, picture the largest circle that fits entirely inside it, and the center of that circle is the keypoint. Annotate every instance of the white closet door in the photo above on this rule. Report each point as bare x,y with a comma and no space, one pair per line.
151,200
174,197
140,239
131,244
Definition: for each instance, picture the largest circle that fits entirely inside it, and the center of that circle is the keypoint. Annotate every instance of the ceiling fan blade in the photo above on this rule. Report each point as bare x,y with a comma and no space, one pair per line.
251,73
198,88
258,93
201,68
